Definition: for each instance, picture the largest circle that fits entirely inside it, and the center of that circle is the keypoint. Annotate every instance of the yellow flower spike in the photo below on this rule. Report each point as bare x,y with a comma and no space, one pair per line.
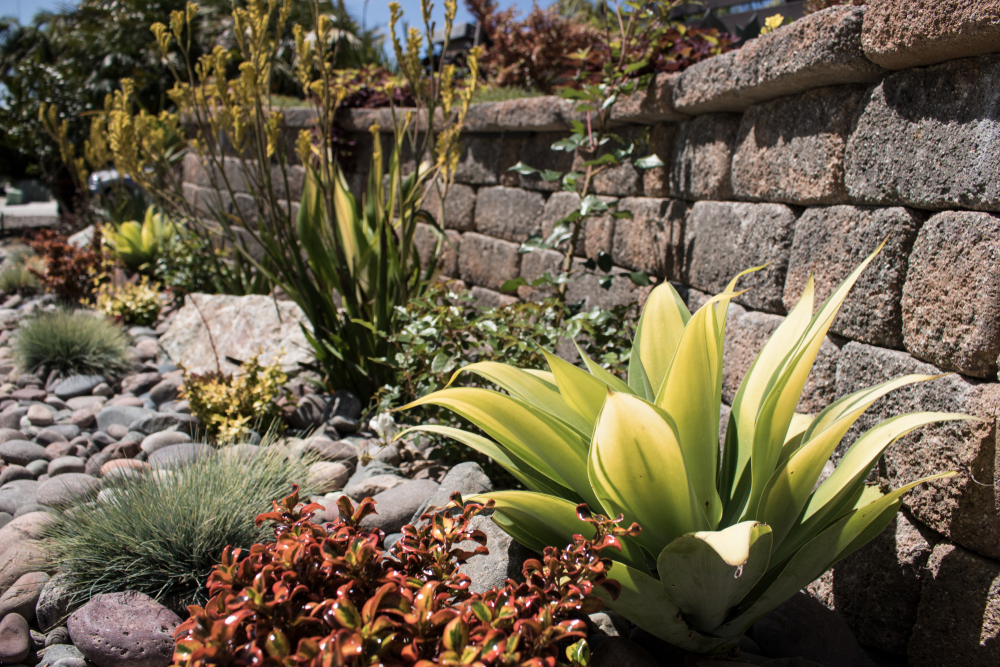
274,122
303,146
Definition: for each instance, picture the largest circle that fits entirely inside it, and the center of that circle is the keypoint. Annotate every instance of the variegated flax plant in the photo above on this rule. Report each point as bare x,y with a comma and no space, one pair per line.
724,538
349,265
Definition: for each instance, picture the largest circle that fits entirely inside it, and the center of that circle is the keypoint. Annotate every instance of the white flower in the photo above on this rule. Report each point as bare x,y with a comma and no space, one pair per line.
384,425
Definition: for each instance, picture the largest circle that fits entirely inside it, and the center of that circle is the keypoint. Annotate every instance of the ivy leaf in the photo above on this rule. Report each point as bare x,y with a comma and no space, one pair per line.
591,204
606,282
640,278
622,214
533,243
523,169
649,162
551,175
442,363
512,285
635,67
570,143
604,261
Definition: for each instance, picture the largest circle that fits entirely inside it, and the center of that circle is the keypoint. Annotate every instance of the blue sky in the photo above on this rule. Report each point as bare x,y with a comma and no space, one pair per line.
377,15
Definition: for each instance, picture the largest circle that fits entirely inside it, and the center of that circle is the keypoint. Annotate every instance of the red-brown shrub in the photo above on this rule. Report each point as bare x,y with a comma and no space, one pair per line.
69,270
320,596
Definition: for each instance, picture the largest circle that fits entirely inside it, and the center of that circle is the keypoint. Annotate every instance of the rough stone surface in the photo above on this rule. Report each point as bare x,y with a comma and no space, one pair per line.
67,489
877,588
22,452
426,242
511,214
537,152
702,158
240,326
465,478
162,421
821,49
929,138
899,34
830,243
803,628
64,653
22,597
479,160
722,239
652,240
655,181
487,262
652,104
330,450
53,604
65,464
745,338
124,630
958,620
503,561
961,508
791,149
951,299
395,506
326,476
487,298
15,639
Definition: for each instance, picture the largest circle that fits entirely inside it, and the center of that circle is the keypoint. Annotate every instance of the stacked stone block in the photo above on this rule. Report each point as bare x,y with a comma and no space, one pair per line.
802,152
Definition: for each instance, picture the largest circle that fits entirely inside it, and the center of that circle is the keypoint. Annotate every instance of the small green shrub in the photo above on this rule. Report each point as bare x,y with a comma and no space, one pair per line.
230,405
161,534
502,94
71,341
20,272
137,303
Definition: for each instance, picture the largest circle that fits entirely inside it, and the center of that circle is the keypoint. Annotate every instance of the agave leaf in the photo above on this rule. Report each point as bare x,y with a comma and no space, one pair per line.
779,405
524,473
531,389
734,480
638,468
663,320
604,375
537,520
644,602
638,381
834,543
848,479
793,439
529,433
583,392
708,573
792,483
691,393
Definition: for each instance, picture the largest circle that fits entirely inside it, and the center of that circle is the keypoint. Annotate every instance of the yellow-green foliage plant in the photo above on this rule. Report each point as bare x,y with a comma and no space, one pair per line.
137,303
230,405
139,244
724,539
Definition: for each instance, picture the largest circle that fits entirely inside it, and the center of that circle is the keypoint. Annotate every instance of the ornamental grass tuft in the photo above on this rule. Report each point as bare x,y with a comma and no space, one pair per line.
71,342
162,532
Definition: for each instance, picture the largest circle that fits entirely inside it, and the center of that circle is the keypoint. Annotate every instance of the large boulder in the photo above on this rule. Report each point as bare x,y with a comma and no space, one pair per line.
124,630
395,506
504,560
465,478
240,327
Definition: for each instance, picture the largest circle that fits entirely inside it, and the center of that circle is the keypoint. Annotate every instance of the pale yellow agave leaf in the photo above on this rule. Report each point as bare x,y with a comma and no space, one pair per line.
659,331
605,376
637,469
583,392
707,573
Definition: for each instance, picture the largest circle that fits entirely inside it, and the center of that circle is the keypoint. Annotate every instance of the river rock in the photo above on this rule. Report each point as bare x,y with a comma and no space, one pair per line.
156,441
371,486
39,415
504,560
327,476
124,630
395,506
22,597
54,602
67,489
165,390
120,414
63,653
240,327
22,452
140,383
162,421
58,637
13,472
175,456
60,448
15,639
76,385
331,450
65,464
15,494
465,478
10,434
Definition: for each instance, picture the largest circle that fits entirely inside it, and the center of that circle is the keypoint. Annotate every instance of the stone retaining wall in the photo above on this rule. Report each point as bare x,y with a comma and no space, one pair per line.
802,151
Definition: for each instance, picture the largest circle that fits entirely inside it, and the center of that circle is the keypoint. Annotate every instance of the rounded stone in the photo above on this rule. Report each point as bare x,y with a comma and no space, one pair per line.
38,467
15,639
22,452
47,436
117,431
331,450
175,456
66,464
57,637
14,495
395,506
327,476
12,473
67,489
40,416
156,441
53,602
57,449
123,467
77,385
62,653
124,630
22,597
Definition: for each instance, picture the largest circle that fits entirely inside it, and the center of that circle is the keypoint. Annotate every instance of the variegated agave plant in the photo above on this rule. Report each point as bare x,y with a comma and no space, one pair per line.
725,539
